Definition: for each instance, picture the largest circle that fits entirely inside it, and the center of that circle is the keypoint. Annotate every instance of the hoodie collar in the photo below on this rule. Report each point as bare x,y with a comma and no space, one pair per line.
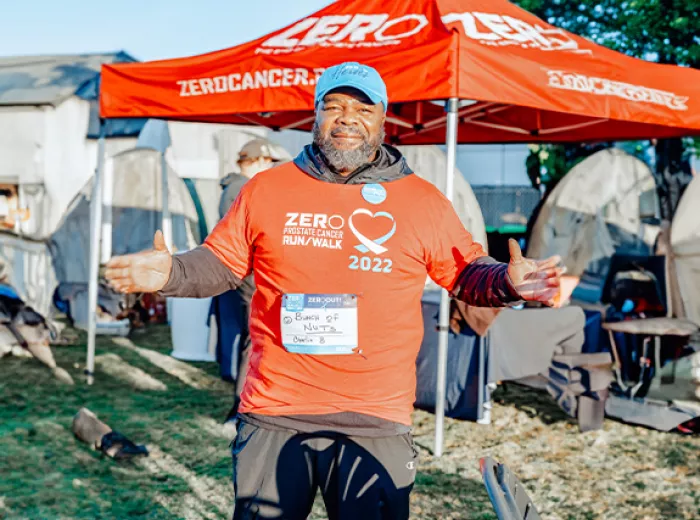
390,165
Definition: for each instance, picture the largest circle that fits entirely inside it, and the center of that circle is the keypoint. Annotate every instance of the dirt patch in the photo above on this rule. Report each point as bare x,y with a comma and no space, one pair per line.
619,472
205,491
186,373
115,366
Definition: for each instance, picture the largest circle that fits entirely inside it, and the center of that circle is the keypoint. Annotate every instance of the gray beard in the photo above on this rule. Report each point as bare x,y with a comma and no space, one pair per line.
347,160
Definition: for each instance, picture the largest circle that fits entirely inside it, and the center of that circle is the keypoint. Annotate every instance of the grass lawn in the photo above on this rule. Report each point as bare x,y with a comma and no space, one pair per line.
621,472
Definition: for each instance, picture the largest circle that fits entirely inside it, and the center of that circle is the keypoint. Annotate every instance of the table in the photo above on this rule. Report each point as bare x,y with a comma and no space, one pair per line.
649,328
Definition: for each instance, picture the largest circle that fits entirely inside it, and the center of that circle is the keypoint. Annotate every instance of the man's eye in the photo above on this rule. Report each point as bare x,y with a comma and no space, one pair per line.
366,110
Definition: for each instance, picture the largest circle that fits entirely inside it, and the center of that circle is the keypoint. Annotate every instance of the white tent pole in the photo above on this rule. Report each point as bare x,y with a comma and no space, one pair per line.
95,231
107,198
451,142
167,219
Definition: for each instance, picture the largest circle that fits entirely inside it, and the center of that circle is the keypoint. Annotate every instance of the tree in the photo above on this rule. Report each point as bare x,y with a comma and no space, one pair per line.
547,164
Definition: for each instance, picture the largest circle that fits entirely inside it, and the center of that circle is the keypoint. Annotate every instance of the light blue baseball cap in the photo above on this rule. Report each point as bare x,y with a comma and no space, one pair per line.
355,75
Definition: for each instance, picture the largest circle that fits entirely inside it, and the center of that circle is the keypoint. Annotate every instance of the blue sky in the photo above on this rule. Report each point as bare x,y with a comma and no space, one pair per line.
147,29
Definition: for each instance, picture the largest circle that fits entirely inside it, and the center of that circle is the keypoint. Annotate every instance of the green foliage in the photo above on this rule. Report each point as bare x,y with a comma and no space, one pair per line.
546,164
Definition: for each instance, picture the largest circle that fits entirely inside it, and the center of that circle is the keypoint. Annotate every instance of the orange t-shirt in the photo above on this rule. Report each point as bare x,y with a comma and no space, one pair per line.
374,241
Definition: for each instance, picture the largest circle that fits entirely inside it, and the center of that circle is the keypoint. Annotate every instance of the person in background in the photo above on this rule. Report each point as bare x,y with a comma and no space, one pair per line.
256,155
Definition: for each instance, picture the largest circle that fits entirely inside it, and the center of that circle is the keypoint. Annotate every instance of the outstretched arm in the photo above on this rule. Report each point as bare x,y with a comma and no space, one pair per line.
214,268
147,271
535,280
487,283
194,274
459,264
199,274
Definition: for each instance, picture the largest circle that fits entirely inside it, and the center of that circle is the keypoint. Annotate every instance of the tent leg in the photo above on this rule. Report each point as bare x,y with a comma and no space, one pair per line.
167,219
95,232
440,391
107,198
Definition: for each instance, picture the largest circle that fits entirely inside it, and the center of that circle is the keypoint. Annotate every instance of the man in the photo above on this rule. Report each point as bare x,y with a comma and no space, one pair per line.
256,155
340,250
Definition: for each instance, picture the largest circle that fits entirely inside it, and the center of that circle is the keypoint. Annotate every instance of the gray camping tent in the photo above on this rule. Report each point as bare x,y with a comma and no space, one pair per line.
596,210
685,245
133,212
135,192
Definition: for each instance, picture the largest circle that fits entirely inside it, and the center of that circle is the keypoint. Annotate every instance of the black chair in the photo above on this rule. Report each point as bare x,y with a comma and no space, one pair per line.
654,291
507,494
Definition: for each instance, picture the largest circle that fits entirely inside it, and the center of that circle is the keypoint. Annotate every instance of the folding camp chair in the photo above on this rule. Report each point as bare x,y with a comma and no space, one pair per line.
507,494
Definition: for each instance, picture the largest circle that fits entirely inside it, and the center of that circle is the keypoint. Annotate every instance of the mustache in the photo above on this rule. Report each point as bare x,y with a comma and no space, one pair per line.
348,131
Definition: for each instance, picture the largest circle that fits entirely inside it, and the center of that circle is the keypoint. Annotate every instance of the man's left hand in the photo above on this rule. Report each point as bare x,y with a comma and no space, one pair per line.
535,280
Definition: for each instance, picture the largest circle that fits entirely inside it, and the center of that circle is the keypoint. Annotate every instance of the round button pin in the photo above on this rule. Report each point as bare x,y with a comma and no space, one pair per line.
374,193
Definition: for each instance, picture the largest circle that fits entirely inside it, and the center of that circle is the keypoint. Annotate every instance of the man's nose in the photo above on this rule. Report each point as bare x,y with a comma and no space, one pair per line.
348,118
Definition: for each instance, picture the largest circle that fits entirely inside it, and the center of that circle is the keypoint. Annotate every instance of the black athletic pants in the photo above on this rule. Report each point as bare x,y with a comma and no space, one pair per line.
276,474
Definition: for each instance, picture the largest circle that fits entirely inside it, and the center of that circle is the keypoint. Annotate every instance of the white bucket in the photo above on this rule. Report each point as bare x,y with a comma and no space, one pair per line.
189,329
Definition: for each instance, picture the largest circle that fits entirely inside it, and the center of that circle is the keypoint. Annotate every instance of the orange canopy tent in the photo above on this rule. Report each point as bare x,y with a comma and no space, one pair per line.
457,71
531,81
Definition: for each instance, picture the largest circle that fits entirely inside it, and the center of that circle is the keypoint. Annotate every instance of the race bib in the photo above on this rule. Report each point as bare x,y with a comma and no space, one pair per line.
319,323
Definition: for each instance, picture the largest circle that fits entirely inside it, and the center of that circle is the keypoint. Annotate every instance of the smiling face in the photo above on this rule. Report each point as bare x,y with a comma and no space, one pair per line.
349,129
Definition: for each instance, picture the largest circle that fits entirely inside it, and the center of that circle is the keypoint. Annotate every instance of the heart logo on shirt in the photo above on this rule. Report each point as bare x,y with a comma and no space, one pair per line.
368,244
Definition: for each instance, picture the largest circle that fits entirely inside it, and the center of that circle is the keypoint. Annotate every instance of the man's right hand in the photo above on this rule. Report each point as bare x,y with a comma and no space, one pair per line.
147,271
